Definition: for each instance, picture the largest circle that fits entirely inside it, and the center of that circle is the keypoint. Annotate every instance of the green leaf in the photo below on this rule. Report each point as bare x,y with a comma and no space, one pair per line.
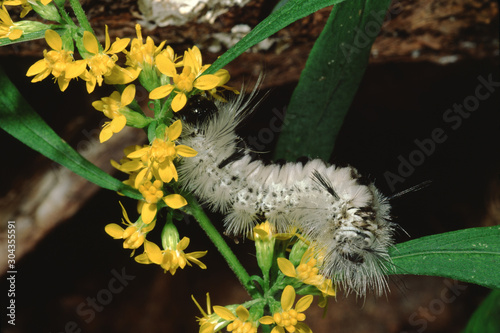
19,120
27,37
469,255
290,12
330,79
486,318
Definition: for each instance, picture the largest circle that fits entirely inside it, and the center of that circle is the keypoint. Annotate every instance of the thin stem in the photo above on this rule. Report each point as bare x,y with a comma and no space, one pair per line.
80,15
65,16
197,211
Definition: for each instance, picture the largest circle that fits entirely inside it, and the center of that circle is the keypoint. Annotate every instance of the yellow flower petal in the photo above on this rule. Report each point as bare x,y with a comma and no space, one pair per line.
15,34
185,151
224,313
53,39
153,252
223,76
98,105
178,102
174,130
165,65
143,259
183,244
119,45
166,172
90,42
304,303
206,82
148,212
139,153
124,212
106,133
128,95
287,267
139,179
161,92
242,313
207,327
266,320
118,123
63,83
287,298
175,201
37,67
75,69
114,230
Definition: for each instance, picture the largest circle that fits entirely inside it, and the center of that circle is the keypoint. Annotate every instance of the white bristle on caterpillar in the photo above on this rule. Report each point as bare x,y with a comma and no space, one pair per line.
345,220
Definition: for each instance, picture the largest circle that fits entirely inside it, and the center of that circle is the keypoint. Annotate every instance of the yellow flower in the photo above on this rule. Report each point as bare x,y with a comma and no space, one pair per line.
152,193
289,318
142,54
238,323
210,322
111,107
190,77
58,62
130,166
307,272
134,235
101,64
25,4
170,259
161,154
8,29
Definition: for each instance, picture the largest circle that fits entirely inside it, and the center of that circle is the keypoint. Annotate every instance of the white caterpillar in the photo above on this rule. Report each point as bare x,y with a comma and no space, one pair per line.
347,220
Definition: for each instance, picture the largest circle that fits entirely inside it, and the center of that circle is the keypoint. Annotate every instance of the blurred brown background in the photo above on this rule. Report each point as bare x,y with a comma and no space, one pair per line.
426,59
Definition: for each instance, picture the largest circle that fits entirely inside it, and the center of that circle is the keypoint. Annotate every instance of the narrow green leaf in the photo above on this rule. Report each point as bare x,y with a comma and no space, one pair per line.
469,255
19,120
290,12
486,318
330,79
28,36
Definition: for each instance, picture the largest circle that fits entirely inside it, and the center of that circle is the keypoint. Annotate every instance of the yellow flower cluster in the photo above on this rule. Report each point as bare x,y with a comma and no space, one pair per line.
151,168
238,319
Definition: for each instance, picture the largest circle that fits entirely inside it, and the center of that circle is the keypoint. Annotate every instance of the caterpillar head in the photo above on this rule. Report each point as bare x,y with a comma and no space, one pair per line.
197,110
353,234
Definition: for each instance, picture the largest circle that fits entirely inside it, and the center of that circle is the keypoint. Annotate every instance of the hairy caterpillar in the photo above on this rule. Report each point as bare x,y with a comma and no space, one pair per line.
344,217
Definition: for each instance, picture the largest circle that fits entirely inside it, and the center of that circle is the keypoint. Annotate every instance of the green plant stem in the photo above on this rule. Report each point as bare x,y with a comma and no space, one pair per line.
80,15
64,14
197,211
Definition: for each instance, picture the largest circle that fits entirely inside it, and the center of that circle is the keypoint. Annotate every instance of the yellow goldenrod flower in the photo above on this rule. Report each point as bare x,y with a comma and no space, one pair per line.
238,323
307,272
25,5
289,318
130,166
152,193
161,154
58,62
210,322
264,246
191,77
135,233
170,259
8,29
142,54
112,108
101,63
